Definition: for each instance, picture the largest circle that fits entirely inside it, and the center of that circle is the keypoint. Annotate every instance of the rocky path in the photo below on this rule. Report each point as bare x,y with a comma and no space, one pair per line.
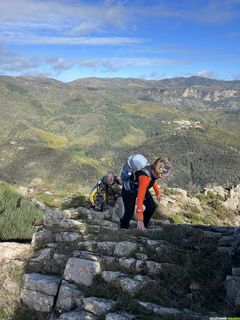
84,267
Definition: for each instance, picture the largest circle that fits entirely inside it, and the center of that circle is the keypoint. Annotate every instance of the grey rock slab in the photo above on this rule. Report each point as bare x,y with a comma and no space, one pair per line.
127,263
41,283
160,310
236,272
120,316
68,236
106,247
81,271
42,238
125,248
98,306
77,315
232,285
155,268
37,301
69,296
110,276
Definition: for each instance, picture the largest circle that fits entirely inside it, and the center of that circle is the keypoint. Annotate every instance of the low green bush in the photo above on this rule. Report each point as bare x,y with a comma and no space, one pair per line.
18,216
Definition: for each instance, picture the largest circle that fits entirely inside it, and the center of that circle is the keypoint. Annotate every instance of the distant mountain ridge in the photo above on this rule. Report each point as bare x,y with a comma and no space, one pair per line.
68,132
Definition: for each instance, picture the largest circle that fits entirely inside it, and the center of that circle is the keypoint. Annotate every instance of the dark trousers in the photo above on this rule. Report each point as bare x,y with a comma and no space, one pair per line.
129,200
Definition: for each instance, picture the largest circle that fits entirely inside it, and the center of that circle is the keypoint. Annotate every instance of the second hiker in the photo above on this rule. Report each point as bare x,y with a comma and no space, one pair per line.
106,194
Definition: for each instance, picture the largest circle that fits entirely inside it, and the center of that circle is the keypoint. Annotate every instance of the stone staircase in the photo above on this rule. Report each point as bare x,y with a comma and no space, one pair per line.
84,267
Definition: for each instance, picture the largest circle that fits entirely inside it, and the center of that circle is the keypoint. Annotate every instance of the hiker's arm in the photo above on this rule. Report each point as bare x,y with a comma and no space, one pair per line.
92,196
142,188
156,188
117,191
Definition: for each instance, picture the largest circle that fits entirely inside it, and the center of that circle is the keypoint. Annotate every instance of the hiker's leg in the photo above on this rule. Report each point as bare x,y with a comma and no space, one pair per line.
119,208
129,201
150,208
111,211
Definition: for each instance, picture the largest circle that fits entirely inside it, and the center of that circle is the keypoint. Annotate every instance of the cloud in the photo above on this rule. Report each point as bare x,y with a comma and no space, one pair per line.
236,76
208,12
54,22
11,61
53,40
16,63
91,23
115,64
153,76
60,64
86,27
206,74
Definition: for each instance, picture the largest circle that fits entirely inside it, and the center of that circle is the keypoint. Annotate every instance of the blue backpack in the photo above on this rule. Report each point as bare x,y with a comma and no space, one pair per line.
136,162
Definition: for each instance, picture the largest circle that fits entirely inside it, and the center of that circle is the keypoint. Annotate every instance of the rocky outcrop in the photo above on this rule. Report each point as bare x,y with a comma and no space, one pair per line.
213,204
13,261
233,201
39,291
73,268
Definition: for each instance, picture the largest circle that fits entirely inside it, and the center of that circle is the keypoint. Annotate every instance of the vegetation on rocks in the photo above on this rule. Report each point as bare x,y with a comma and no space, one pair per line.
18,216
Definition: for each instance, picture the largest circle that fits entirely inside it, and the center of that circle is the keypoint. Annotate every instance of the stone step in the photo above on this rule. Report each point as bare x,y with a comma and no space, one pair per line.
130,285
171,312
39,291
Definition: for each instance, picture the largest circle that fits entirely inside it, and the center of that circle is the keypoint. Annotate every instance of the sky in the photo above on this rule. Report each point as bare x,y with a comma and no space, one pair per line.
150,39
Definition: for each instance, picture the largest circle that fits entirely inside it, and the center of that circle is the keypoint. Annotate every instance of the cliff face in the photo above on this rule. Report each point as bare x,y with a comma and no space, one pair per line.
195,95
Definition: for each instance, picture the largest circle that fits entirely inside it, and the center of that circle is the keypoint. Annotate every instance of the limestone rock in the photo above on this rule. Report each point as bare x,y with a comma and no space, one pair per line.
233,202
106,247
98,306
155,268
41,238
12,250
110,276
131,286
127,263
216,190
68,236
41,283
125,248
39,291
81,271
57,218
159,310
236,272
232,285
120,316
37,301
69,296
77,315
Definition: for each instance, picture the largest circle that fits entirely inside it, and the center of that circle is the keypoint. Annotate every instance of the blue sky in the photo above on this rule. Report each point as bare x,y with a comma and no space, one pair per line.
148,39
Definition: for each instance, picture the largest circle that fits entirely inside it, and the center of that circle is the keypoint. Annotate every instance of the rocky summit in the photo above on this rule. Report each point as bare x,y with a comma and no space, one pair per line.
79,265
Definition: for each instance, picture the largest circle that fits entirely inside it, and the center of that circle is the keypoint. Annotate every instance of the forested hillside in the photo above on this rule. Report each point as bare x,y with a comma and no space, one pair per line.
69,133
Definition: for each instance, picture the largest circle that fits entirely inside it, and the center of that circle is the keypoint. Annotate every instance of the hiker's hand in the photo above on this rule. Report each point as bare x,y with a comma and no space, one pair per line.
158,197
141,226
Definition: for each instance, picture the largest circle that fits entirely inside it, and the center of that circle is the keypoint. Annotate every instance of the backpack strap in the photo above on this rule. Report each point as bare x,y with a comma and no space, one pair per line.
147,170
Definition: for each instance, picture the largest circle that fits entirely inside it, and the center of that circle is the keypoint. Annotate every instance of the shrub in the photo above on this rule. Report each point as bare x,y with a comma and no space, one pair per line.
17,215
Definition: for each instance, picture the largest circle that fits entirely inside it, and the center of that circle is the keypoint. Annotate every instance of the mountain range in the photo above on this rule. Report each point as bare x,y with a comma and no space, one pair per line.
71,133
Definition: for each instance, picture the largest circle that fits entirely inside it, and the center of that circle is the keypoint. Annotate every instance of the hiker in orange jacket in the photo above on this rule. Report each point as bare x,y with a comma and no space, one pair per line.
145,179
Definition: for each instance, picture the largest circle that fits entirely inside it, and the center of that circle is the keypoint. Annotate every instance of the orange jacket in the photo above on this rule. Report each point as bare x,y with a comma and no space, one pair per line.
142,189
